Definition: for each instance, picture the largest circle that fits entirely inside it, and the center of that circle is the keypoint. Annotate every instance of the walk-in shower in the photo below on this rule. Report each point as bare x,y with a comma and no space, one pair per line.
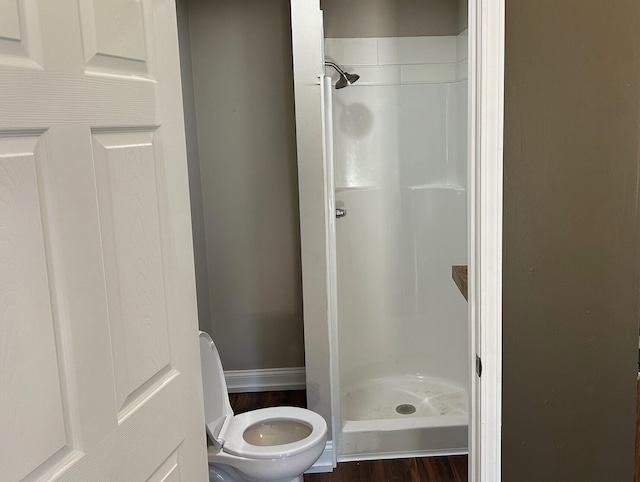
400,172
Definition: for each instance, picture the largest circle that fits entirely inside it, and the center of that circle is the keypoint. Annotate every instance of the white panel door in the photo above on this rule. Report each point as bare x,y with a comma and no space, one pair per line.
99,365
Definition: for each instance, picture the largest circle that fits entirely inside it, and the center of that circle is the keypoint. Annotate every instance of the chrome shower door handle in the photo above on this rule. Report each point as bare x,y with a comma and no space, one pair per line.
341,212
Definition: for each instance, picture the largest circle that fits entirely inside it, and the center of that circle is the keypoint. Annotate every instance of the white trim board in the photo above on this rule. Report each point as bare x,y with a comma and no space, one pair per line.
326,461
486,101
265,380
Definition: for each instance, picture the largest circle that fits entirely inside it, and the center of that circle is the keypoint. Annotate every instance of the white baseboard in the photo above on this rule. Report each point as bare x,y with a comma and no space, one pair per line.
265,380
326,462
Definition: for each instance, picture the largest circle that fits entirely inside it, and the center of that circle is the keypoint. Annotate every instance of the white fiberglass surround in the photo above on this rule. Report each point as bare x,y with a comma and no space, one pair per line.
400,161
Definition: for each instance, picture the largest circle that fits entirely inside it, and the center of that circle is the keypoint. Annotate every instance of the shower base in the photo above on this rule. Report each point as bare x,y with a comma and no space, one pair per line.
403,416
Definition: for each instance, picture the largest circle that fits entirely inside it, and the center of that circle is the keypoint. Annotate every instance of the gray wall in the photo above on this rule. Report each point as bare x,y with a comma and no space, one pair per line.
463,15
195,186
243,89
389,18
570,240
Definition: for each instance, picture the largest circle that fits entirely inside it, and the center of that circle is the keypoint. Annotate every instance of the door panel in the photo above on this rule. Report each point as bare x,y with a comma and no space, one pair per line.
141,444
113,36
10,21
99,366
168,471
31,397
19,33
130,227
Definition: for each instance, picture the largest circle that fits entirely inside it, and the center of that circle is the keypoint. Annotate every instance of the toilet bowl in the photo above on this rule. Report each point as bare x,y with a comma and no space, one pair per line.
271,444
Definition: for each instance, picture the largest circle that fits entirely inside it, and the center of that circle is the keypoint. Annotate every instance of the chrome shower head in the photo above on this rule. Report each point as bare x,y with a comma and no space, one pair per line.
345,79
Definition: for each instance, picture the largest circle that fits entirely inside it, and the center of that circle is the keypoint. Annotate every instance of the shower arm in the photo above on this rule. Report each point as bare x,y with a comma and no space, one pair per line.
335,66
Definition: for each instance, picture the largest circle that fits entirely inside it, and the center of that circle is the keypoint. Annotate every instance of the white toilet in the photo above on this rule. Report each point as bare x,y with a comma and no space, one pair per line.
270,444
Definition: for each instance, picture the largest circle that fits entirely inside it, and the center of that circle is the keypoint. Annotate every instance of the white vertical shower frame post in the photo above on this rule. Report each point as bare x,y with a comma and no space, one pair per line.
486,116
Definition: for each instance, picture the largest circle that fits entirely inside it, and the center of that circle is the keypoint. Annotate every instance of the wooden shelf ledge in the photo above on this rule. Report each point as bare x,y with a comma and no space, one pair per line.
459,275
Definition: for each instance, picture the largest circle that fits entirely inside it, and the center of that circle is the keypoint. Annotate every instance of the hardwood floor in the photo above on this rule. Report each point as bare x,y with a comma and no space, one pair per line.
243,402
423,469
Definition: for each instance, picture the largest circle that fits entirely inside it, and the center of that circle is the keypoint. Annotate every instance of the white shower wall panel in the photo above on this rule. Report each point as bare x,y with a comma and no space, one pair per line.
393,135
399,311
400,170
439,235
457,145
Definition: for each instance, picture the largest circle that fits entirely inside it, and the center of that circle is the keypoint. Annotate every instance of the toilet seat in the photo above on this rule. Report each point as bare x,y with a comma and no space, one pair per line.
232,431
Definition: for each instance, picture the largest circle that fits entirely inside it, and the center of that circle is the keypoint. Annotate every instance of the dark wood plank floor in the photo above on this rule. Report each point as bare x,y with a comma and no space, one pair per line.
423,469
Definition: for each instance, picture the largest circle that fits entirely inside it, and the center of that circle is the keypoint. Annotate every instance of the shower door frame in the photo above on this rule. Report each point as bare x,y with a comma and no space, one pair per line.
486,100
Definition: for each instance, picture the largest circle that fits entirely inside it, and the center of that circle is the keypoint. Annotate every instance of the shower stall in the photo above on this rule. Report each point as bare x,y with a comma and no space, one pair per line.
396,147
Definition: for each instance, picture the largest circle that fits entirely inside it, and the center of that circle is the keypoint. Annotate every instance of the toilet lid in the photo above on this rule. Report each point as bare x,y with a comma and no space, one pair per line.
216,400
234,428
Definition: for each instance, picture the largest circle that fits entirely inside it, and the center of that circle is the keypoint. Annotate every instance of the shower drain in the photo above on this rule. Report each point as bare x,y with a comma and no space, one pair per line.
405,409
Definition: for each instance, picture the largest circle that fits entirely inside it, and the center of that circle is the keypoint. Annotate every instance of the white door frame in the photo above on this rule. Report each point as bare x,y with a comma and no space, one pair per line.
486,101
486,98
